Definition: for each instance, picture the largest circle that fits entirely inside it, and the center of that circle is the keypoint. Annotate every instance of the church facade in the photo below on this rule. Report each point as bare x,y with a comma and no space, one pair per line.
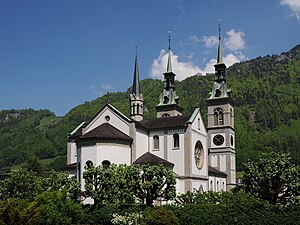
202,158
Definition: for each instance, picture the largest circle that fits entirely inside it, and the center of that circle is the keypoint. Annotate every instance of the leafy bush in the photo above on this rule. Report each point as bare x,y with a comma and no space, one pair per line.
161,216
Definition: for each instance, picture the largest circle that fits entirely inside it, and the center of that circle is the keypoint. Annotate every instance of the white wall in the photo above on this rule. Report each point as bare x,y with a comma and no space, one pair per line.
176,155
71,153
196,184
180,186
158,152
115,153
142,143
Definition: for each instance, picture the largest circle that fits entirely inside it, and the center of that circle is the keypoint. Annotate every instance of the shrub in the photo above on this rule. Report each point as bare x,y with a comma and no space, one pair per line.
161,216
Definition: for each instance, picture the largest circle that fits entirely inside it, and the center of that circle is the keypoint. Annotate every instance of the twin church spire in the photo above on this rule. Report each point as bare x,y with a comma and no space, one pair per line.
168,101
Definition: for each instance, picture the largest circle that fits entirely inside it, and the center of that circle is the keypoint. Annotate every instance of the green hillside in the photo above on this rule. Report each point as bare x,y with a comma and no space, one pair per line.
266,91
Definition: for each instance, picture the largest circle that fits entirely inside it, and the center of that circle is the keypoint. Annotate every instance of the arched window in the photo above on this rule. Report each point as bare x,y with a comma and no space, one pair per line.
138,108
218,117
105,164
211,185
215,118
155,142
166,115
133,108
176,140
89,164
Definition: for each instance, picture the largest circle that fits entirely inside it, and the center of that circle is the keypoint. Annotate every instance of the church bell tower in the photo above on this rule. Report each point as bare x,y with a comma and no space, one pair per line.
221,134
168,101
136,98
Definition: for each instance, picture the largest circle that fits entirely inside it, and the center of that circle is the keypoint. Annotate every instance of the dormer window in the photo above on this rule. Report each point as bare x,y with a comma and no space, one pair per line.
166,115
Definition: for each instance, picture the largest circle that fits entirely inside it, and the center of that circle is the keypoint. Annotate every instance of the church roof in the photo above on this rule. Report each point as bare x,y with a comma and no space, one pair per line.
107,132
163,123
76,133
153,160
215,172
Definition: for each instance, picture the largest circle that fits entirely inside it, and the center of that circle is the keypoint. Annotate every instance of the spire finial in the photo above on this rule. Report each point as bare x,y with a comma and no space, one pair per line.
219,29
169,65
136,79
219,59
169,40
136,51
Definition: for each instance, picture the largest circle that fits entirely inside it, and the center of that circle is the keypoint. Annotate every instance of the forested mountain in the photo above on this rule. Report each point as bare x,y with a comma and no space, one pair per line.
267,118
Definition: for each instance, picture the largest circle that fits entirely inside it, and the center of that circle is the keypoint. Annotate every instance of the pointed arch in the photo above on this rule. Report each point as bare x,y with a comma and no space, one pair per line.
218,116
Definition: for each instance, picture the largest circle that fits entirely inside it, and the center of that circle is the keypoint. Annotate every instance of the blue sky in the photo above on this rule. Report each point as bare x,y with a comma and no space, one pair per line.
56,54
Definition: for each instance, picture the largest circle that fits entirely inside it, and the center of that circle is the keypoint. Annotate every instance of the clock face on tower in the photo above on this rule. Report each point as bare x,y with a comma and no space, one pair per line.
218,140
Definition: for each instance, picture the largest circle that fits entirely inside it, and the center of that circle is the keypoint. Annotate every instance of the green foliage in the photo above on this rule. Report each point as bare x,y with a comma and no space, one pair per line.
62,182
18,212
161,216
57,208
273,178
123,184
33,164
27,185
21,184
155,182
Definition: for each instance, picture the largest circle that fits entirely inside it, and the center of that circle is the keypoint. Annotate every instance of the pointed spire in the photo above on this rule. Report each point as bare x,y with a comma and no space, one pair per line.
136,79
169,65
219,59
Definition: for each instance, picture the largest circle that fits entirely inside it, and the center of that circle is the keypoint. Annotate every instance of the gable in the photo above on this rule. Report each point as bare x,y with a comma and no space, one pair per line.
196,121
108,114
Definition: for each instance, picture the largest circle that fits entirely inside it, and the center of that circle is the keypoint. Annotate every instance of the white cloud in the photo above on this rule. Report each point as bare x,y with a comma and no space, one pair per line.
228,59
101,89
210,41
186,69
234,41
181,69
294,5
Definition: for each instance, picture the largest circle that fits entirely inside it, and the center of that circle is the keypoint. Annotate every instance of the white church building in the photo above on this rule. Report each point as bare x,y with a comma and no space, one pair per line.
202,158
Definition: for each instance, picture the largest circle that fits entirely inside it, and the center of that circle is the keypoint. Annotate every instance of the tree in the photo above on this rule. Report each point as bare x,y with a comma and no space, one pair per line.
99,184
155,181
273,178
21,184
62,182
57,208
34,164
125,184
